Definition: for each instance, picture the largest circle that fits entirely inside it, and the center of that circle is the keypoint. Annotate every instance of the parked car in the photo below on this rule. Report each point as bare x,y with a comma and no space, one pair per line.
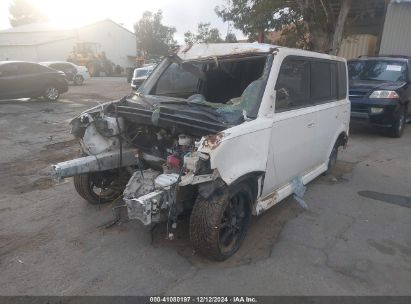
380,91
222,130
140,75
74,73
20,79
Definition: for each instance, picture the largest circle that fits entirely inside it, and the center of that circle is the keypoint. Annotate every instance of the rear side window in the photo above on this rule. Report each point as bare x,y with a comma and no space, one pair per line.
306,82
30,68
293,85
323,81
320,80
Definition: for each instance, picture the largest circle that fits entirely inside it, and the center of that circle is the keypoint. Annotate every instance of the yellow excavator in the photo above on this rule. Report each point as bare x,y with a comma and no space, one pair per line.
86,54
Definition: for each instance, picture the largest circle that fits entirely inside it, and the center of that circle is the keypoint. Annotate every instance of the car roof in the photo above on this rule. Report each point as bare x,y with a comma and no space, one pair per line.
52,62
206,51
16,61
210,50
385,58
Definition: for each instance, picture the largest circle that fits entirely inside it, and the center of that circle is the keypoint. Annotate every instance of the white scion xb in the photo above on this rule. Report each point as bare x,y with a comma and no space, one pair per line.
223,131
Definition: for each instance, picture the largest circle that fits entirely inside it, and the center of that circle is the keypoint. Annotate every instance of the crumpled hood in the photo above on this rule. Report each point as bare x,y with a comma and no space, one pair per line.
196,118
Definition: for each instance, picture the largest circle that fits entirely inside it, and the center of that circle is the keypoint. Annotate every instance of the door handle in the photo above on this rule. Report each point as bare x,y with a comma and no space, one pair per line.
311,124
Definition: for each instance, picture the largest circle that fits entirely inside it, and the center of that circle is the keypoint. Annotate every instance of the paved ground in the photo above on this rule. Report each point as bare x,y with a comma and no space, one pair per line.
353,240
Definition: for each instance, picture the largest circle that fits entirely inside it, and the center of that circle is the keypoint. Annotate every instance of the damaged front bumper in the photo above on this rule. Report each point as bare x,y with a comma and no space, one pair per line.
148,193
151,197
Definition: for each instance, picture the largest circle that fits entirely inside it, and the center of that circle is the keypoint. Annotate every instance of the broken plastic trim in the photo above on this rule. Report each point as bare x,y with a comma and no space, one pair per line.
299,190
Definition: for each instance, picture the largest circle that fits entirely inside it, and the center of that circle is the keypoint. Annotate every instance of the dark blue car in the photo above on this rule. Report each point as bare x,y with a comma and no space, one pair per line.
380,92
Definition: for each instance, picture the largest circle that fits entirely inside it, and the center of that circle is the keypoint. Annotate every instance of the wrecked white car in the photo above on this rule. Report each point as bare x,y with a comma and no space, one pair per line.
223,130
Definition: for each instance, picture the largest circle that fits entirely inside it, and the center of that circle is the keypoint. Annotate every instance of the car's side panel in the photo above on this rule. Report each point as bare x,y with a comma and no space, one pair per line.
332,120
287,157
239,150
265,202
291,147
9,85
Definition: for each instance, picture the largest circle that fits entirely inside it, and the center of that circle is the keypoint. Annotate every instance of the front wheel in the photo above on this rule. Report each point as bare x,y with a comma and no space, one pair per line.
96,188
219,224
51,93
399,124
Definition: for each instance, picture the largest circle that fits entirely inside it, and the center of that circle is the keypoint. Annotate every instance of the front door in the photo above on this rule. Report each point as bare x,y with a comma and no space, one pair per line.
294,126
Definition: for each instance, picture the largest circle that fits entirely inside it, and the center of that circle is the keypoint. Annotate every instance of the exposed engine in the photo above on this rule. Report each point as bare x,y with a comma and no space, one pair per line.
163,166
168,148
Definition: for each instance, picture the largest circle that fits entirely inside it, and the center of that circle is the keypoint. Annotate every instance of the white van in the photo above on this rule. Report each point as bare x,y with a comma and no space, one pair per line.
222,130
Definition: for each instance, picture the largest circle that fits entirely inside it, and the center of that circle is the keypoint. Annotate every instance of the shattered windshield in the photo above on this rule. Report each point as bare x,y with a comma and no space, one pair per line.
225,84
380,70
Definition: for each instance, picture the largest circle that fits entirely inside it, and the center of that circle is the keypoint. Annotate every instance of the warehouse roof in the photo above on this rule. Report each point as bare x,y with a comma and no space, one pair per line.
50,27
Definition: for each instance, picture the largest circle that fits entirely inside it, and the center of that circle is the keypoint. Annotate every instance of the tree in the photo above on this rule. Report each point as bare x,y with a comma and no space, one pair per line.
310,24
230,38
22,12
204,34
154,38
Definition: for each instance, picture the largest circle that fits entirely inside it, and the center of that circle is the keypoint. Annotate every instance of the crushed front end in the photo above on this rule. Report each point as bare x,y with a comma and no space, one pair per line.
144,148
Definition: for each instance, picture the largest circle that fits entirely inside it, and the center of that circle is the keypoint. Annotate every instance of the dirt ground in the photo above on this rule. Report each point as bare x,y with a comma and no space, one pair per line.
353,240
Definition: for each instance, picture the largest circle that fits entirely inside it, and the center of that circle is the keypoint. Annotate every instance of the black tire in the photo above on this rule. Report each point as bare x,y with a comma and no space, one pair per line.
51,93
212,222
78,80
86,186
399,124
94,68
332,160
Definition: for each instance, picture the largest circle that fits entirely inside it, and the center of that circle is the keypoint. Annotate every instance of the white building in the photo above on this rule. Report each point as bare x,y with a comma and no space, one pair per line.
45,42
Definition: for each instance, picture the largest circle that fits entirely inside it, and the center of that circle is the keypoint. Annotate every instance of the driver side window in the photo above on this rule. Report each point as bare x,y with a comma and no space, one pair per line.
293,85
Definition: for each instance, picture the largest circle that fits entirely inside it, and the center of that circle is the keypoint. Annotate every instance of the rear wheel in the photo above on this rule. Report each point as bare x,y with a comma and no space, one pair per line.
78,80
97,188
332,160
219,224
93,68
399,124
51,93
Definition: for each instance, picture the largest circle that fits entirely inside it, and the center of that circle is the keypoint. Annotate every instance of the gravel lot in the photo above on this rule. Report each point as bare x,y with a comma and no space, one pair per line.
353,240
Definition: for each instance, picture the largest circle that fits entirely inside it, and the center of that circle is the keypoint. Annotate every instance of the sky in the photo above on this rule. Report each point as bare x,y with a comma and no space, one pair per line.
184,15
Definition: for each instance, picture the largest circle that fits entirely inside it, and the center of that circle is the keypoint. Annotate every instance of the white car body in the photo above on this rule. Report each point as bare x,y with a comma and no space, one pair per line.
279,147
233,128
287,145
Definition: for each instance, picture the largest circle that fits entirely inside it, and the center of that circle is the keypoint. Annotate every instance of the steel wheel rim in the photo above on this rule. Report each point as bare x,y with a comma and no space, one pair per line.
101,191
52,93
233,223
